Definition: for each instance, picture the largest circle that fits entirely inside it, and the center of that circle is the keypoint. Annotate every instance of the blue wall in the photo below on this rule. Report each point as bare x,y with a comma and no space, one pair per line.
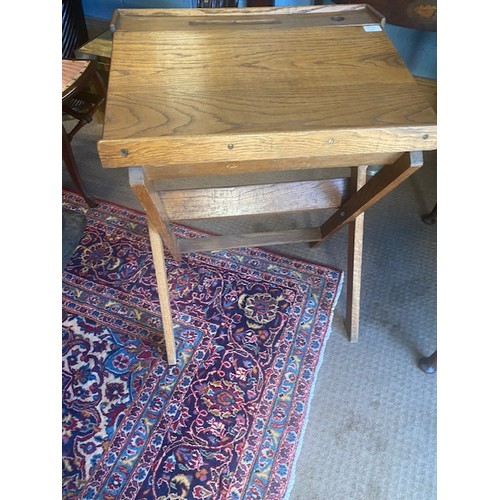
104,9
417,48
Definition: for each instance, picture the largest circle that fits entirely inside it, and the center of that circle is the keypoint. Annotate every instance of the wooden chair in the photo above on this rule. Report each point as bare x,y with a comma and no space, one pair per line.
431,217
83,93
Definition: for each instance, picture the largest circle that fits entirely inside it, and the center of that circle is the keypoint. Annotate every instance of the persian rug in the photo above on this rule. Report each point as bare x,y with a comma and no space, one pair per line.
227,421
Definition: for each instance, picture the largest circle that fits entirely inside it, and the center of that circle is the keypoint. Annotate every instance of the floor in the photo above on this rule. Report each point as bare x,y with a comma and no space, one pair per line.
371,432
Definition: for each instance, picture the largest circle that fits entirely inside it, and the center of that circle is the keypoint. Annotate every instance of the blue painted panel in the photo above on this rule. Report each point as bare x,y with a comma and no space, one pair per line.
417,48
104,10
157,4
99,9
285,3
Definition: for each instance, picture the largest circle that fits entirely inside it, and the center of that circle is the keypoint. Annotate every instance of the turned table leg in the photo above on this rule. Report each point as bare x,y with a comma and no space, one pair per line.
431,217
70,162
428,364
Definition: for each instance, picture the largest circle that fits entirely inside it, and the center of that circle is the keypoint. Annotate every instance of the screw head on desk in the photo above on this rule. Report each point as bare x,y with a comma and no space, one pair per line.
425,136
230,146
124,152
331,140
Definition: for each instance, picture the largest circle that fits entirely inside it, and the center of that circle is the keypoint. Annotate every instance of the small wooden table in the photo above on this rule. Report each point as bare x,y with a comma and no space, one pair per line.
211,92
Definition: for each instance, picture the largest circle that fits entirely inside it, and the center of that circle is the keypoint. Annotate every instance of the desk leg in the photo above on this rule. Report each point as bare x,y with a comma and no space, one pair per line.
162,283
155,211
355,254
350,213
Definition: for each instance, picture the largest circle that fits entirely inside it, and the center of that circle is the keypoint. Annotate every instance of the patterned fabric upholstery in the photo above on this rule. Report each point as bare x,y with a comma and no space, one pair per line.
71,71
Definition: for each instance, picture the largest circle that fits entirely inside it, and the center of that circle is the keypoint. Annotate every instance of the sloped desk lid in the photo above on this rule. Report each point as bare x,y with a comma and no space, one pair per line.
217,85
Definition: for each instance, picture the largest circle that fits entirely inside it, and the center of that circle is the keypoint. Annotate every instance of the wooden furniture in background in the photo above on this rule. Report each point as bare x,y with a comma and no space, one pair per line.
74,28
428,364
216,92
414,14
81,104
431,217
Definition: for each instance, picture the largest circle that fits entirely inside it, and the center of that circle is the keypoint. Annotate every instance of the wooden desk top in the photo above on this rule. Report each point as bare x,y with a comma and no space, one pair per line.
234,85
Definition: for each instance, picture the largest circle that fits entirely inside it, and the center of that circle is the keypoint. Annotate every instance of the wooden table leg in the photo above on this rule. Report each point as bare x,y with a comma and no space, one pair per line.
70,162
355,254
428,364
364,195
159,234
154,208
431,217
162,282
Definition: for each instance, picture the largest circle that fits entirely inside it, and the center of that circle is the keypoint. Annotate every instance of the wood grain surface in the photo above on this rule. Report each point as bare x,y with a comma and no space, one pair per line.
230,90
202,92
239,201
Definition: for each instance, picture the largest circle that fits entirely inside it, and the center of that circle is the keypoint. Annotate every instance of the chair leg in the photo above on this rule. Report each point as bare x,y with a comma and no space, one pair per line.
69,161
428,364
431,217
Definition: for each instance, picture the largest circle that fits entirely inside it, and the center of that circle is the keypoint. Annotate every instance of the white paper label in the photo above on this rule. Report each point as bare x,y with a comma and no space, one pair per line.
372,27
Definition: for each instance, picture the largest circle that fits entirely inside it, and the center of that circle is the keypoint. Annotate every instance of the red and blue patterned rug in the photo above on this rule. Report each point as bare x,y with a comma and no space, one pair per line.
224,423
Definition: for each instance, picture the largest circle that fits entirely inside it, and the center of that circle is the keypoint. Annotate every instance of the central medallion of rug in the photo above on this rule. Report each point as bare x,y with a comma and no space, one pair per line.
225,422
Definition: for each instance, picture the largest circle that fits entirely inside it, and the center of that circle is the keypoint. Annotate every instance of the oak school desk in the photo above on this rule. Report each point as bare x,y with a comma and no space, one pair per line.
217,92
